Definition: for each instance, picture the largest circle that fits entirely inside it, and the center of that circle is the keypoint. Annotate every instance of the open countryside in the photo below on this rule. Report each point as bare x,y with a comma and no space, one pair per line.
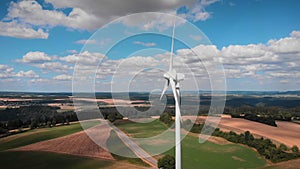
67,139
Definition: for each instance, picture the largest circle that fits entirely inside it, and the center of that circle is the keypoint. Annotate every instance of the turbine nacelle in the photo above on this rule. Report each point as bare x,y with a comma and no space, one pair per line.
177,77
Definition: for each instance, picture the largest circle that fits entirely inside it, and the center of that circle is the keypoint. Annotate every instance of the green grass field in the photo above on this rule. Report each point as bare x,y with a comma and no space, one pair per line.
46,160
114,144
196,155
214,156
143,130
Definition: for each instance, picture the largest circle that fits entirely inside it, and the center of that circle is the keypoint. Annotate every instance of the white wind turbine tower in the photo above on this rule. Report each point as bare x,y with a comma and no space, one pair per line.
173,78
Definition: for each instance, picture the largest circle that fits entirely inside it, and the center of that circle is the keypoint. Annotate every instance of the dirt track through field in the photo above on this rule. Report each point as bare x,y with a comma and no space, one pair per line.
76,144
285,132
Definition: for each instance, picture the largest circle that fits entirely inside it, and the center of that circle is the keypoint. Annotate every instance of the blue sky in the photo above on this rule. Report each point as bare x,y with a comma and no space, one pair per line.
247,22
40,41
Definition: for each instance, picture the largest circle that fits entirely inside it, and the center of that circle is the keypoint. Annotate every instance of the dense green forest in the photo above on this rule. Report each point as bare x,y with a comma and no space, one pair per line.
33,117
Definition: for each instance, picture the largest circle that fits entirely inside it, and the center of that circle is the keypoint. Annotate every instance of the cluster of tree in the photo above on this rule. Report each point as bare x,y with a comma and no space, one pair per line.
265,147
261,119
284,102
196,128
166,118
130,112
167,162
275,113
145,111
111,114
33,117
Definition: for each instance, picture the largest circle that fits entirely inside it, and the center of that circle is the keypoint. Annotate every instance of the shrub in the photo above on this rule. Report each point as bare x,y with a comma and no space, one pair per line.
167,162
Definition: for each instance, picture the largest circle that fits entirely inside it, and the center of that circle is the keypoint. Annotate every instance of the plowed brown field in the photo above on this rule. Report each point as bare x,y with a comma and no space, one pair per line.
285,132
76,144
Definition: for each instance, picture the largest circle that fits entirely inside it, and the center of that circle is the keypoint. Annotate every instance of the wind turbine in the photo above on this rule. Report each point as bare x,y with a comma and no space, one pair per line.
173,78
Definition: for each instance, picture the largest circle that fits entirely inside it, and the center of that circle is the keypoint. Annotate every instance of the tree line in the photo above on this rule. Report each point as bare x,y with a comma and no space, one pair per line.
33,117
261,119
265,115
264,147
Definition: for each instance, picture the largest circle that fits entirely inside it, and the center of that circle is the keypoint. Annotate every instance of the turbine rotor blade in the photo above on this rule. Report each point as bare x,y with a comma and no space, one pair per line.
179,98
174,90
176,97
165,89
172,48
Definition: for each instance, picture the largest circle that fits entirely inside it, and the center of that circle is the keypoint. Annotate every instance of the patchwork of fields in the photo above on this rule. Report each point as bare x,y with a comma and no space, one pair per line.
285,132
214,154
207,155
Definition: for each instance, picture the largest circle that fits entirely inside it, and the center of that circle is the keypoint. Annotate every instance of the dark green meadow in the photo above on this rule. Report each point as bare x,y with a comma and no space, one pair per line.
46,160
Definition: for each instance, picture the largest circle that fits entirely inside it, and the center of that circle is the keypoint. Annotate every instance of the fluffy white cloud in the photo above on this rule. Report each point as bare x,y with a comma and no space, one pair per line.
84,58
109,8
53,67
28,74
201,16
198,12
14,29
205,54
5,68
139,61
91,14
63,77
247,54
43,61
278,59
87,15
31,12
286,45
150,21
295,34
35,57
6,71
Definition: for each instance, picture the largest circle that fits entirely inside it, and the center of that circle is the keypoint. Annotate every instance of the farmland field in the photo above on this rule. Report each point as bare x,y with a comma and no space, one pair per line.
213,156
115,144
45,160
78,143
37,136
285,132
207,155
292,164
142,130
